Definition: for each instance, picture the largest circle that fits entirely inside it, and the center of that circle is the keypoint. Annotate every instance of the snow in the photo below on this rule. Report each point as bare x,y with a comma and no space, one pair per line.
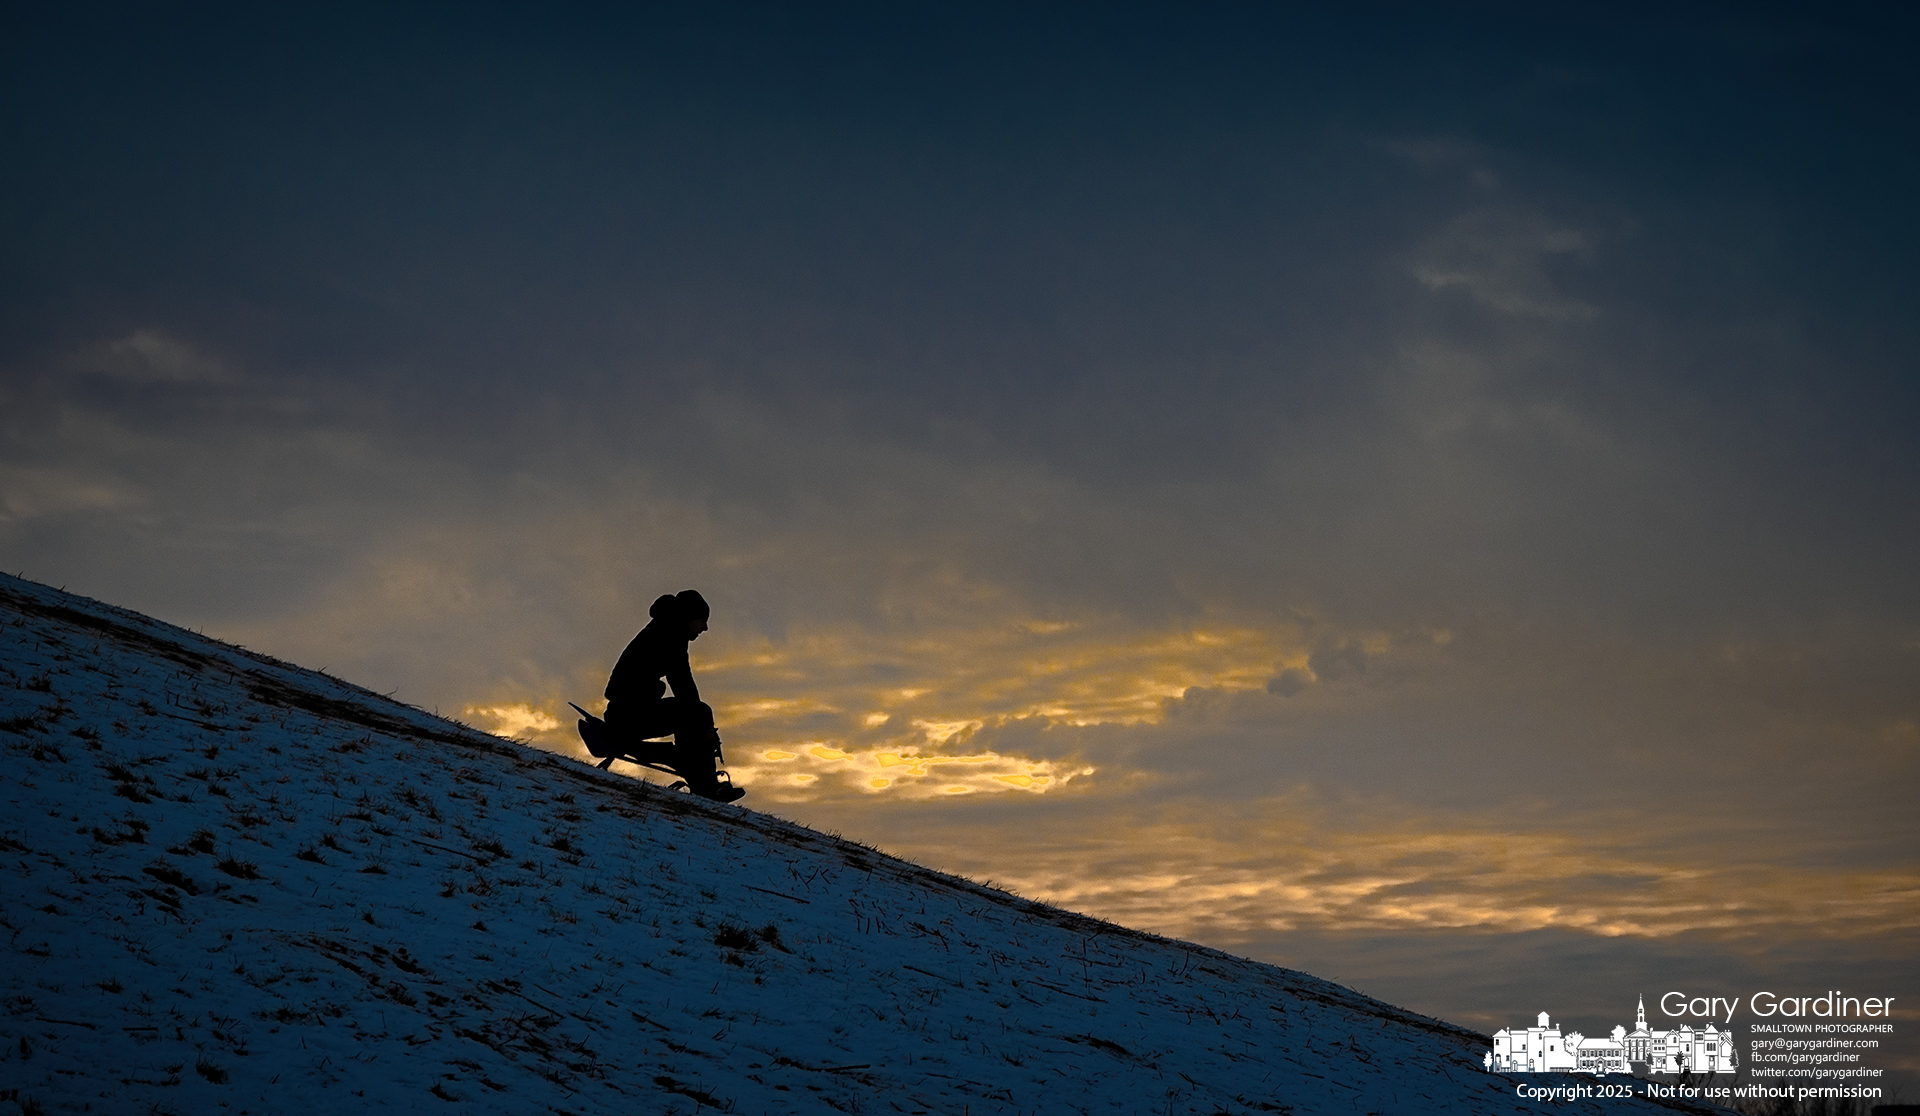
234,885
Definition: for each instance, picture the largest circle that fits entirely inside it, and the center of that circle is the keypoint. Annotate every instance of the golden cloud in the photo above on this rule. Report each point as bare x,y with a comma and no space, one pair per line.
1082,673
852,711
819,769
1227,878
518,720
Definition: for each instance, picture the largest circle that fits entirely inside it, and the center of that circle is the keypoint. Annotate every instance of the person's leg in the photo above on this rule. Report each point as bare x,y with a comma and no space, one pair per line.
633,724
695,747
696,744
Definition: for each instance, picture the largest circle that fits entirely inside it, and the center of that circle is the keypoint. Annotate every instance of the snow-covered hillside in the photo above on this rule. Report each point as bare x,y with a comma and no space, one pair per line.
233,885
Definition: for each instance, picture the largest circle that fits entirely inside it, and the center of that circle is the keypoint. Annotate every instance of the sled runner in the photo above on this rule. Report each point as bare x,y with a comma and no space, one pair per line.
607,746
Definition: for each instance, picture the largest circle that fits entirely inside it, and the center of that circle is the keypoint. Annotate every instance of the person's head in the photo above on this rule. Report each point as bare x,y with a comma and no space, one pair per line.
686,607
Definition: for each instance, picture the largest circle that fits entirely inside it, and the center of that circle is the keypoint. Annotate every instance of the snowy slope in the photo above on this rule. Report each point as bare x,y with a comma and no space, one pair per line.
234,885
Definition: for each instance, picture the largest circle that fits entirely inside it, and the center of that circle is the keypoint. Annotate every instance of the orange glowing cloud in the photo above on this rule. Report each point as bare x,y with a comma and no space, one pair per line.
1225,875
820,769
883,712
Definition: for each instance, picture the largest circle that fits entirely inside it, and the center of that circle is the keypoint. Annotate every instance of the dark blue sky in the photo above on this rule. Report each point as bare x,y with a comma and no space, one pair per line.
366,184
1132,244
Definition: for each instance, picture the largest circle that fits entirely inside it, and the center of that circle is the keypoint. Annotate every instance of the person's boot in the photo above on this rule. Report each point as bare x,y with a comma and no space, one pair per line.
724,790
696,765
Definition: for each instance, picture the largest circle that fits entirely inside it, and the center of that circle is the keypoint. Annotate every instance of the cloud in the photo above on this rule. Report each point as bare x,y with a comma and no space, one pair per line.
1499,258
1336,659
812,771
1433,151
1227,873
517,720
945,679
835,710
29,493
150,356
1289,682
1445,153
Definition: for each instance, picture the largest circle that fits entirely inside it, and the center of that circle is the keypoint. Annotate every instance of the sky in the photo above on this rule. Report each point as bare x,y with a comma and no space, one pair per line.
1423,496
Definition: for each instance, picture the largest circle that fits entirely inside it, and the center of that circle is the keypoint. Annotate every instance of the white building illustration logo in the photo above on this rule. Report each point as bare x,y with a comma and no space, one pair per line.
1543,1049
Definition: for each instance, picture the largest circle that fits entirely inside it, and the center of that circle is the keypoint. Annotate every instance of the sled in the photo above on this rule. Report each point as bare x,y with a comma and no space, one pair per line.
602,742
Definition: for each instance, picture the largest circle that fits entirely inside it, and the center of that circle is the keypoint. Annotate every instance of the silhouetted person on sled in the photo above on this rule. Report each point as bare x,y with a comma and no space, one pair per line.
639,710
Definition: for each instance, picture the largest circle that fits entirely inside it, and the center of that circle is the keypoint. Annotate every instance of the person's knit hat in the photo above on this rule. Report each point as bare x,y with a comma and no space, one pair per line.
687,604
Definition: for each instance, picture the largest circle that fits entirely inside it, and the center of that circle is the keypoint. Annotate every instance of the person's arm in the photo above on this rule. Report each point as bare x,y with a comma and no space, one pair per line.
680,677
